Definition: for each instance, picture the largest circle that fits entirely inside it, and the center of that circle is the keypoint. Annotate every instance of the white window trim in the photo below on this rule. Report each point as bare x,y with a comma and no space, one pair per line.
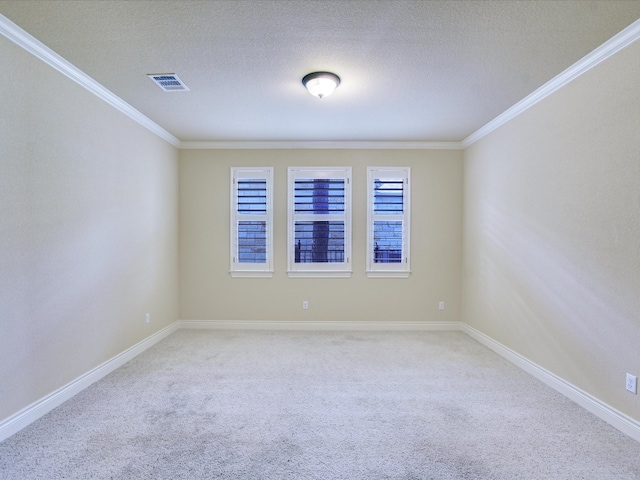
389,270
315,270
251,270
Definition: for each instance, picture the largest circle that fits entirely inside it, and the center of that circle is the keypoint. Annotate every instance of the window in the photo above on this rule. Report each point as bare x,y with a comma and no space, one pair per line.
388,222
319,241
251,222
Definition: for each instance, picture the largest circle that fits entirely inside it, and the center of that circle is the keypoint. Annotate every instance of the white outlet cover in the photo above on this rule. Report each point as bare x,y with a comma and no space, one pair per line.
632,383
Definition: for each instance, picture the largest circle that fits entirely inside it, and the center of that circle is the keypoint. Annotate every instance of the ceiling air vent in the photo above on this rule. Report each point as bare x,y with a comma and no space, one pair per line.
169,82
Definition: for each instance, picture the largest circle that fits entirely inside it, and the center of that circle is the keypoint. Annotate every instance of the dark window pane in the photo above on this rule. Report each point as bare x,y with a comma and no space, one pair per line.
252,242
252,196
319,242
388,196
387,238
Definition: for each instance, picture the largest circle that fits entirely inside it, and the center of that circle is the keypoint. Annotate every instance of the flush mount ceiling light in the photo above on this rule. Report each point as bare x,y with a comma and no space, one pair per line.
321,84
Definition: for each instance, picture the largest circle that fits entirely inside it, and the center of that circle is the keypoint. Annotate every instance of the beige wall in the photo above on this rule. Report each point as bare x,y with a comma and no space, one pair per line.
207,291
88,231
552,232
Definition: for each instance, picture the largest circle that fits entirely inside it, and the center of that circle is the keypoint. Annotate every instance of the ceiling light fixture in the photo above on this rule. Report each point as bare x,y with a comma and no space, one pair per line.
321,84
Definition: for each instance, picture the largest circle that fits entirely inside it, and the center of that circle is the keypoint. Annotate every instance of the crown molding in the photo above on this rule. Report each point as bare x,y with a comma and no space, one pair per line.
32,45
612,46
318,145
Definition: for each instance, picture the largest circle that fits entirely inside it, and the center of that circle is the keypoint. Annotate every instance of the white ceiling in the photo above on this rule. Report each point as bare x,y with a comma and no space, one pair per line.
412,71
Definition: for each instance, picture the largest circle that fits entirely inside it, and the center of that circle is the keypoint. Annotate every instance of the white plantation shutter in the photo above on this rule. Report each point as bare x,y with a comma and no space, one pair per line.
251,222
319,221
388,222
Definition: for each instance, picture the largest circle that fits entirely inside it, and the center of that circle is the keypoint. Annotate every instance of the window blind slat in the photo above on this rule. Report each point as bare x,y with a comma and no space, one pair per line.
319,196
252,196
388,196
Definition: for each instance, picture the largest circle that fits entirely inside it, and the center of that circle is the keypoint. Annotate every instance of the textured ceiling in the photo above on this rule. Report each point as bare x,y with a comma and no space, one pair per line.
411,70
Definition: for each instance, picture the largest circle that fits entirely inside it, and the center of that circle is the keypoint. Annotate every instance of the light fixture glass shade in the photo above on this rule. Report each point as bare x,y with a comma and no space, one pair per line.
321,84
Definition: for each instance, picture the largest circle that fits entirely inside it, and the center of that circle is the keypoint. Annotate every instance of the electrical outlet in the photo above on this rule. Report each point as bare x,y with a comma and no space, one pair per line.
305,305
147,318
632,384
441,305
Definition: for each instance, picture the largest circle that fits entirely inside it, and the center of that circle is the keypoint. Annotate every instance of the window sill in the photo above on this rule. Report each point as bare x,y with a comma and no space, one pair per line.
388,274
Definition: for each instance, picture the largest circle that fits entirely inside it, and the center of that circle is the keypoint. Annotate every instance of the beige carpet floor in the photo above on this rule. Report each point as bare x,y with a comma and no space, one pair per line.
319,405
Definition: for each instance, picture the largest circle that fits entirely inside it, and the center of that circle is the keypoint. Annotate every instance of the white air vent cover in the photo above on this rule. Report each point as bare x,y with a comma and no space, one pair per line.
169,82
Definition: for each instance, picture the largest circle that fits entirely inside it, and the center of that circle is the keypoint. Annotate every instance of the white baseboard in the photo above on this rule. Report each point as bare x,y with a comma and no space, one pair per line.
31,413
310,325
590,403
